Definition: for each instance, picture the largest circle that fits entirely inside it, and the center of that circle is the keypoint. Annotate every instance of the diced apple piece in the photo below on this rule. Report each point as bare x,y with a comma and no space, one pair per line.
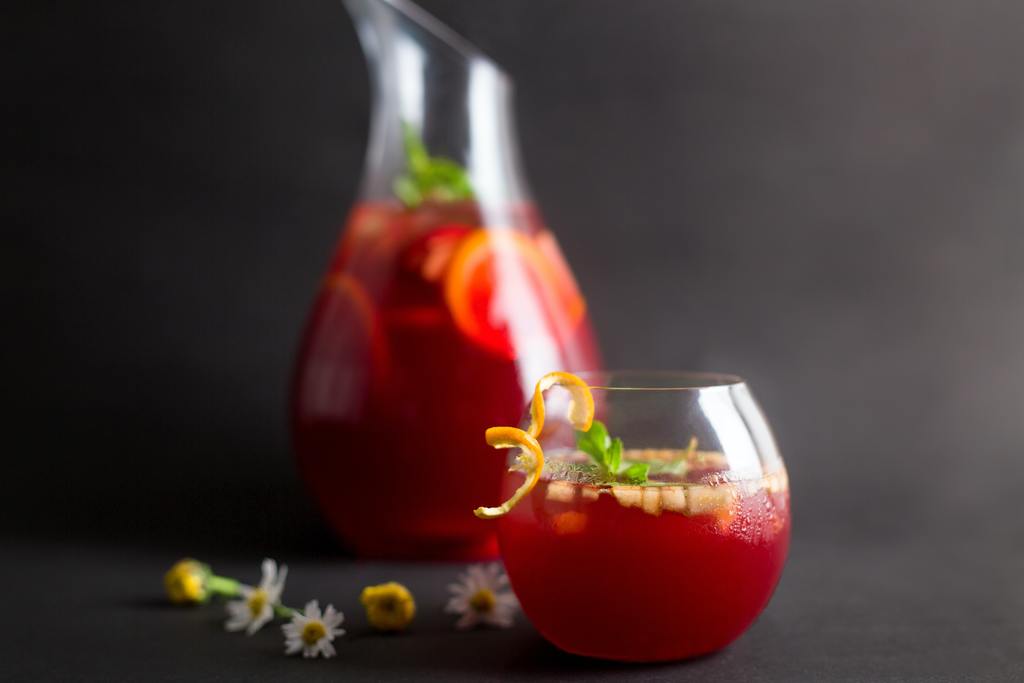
648,498
673,498
711,459
653,454
628,496
651,500
709,500
562,491
589,493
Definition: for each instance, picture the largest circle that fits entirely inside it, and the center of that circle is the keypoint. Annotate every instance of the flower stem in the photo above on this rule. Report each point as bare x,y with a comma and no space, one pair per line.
223,586
227,587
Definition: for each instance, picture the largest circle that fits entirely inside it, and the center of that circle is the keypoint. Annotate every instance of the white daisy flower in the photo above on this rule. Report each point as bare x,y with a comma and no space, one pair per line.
257,604
312,632
479,598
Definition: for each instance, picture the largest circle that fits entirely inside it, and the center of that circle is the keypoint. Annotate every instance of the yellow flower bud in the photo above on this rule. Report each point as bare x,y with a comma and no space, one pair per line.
186,582
389,606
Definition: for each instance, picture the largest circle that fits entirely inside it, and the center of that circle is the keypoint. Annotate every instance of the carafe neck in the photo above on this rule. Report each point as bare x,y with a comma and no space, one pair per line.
429,81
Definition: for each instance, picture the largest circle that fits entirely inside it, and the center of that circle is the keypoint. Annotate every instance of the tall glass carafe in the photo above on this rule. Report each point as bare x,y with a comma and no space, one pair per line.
445,300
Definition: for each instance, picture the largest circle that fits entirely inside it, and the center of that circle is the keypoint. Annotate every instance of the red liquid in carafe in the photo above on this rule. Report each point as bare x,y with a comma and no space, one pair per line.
428,328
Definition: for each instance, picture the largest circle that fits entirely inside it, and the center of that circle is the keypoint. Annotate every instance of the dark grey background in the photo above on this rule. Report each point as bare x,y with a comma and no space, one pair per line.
825,197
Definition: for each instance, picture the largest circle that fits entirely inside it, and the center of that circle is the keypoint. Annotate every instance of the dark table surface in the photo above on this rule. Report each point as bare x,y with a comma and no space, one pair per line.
845,610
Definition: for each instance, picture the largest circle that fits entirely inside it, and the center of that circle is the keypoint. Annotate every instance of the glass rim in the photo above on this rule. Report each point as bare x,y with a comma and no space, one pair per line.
658,380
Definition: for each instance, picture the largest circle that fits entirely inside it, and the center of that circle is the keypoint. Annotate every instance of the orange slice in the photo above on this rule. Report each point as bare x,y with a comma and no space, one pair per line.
504,288
581,402
567,290
344,345
428,255
342,286
530,460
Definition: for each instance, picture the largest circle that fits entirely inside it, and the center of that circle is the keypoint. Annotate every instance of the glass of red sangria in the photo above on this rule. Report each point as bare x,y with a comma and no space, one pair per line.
446,297
653,524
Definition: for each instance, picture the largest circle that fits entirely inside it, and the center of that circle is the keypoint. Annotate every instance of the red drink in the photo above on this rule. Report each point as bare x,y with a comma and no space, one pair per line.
428,329
647,573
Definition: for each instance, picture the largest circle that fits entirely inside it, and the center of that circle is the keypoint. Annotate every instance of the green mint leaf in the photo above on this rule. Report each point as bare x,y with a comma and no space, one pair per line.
592,445
601,448
606,452
415,151
674,468
599,434
429,177
447,172
613,456
637,473
407,192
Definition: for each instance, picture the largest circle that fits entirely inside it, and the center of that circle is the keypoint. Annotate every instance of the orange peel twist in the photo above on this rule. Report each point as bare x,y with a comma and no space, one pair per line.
530,460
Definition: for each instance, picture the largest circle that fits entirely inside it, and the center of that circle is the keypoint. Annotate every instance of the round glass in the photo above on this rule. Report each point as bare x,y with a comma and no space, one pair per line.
661,532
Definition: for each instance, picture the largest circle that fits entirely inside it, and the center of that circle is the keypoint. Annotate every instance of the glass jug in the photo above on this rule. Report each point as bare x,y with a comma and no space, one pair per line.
445,300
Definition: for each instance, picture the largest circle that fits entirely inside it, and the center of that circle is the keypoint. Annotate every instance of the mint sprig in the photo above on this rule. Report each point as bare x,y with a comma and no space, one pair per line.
606,452
428,177
637,473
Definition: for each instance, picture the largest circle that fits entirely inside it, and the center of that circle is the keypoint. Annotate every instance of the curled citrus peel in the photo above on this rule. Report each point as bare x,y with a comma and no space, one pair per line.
530,460
581,401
